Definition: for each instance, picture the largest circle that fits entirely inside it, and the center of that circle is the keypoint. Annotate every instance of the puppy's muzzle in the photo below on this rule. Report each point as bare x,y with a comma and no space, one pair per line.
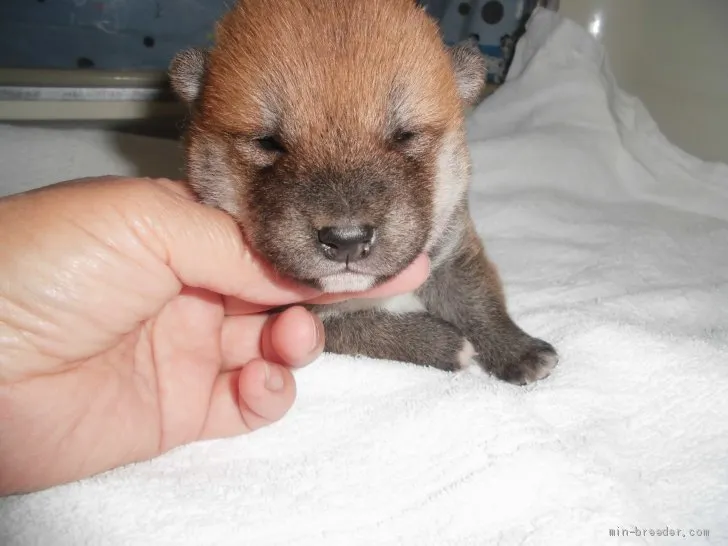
346,244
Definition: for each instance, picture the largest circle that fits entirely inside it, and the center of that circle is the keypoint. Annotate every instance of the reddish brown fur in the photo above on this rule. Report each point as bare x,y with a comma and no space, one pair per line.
325,90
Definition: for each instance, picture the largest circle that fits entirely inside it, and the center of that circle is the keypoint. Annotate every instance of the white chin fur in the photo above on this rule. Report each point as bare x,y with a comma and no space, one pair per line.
347,282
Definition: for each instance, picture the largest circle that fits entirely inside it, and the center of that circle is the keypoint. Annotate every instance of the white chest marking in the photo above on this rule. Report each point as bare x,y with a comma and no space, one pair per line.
401,304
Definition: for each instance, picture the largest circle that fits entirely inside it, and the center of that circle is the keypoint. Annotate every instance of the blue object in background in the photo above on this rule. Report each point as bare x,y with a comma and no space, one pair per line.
145,34
495,24
104,34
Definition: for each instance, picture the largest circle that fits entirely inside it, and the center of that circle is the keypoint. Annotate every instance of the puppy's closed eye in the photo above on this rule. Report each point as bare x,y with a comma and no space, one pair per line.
263,150
411,142
270,143
403,136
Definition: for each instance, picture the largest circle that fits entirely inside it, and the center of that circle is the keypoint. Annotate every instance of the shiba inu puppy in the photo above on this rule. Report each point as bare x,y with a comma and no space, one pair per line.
333,132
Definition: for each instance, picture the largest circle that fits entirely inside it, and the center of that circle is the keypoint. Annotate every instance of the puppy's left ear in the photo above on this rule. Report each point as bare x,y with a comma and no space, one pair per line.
187,73
470,70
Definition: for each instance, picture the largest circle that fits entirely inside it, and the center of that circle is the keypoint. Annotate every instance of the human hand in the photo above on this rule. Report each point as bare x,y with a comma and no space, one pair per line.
132,321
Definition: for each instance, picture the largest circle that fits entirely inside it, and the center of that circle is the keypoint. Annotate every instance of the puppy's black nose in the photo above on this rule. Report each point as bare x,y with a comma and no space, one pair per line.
346,243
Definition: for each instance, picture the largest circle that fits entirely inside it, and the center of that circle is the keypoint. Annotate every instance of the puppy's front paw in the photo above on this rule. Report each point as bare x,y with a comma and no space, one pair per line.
530,360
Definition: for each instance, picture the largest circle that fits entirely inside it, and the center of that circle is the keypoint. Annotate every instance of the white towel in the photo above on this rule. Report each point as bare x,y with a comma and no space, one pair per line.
612,245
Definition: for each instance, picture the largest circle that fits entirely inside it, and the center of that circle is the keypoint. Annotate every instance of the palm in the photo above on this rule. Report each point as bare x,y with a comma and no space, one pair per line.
150,391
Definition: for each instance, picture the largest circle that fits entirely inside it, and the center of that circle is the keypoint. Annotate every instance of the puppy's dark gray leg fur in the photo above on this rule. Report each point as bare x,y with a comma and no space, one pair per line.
465,291
466,317
418,337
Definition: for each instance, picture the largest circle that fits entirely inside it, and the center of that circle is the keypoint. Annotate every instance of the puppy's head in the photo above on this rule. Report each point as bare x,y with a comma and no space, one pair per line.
332,131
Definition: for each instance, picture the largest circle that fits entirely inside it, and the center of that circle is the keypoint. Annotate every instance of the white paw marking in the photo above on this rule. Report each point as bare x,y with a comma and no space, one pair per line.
548,362
466,355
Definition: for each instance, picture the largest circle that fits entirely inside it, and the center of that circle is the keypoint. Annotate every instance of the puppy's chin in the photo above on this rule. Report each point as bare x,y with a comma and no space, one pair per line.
347,281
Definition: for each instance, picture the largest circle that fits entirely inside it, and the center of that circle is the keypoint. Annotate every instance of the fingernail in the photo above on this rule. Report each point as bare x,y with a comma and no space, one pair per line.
273,378
317,333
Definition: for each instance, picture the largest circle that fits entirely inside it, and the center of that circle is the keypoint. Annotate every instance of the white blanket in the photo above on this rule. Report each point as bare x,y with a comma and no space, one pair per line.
612,245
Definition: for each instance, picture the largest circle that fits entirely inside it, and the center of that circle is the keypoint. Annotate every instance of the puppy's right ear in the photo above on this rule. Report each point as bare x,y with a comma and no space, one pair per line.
187,72
470,70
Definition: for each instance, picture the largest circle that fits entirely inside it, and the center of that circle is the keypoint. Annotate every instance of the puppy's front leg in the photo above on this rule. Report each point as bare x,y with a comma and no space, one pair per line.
466,291
415,337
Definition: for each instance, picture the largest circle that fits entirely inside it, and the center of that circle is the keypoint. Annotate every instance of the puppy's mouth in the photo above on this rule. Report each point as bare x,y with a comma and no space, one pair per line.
351,278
